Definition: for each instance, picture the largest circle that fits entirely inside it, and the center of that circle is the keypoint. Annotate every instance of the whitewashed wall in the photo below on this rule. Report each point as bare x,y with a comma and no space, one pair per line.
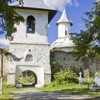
41,35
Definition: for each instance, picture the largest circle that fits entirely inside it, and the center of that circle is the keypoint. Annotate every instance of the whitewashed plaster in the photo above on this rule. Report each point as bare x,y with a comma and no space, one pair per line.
40,36
37,43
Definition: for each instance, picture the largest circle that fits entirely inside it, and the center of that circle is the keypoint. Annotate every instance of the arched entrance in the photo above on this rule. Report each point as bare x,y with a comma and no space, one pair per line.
27,78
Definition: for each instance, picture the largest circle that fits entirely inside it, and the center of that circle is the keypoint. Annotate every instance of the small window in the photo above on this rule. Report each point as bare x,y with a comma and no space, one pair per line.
30,24
65,33
29,57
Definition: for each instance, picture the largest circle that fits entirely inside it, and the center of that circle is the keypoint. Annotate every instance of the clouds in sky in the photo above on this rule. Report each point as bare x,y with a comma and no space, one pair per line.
60,4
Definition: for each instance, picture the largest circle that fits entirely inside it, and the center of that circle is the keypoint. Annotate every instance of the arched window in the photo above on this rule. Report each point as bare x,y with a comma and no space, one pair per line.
66,33
30,24
29,57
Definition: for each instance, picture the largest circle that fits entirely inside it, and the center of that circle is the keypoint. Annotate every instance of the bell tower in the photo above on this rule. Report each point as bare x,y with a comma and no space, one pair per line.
30,43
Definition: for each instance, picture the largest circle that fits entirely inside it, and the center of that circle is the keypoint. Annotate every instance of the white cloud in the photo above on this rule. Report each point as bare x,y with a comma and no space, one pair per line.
76,3
60,4
57,4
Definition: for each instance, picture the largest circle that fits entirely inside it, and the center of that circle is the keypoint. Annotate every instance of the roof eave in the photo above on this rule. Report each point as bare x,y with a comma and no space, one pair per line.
64,22
51,13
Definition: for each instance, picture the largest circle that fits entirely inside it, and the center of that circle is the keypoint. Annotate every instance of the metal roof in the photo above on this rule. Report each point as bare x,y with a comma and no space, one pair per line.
64,18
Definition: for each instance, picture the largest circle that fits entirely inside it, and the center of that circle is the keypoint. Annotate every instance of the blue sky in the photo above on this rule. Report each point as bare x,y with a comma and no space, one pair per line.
75,13
75,10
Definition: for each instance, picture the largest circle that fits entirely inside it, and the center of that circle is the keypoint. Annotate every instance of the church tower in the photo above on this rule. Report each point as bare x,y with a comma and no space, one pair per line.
63,25
30,43
63,46
63,42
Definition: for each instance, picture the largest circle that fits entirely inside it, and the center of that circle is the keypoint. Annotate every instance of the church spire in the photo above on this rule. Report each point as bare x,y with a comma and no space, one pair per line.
64,25
64,18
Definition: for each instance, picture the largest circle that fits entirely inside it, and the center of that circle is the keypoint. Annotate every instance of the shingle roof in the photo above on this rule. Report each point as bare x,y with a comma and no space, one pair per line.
62,42
39,4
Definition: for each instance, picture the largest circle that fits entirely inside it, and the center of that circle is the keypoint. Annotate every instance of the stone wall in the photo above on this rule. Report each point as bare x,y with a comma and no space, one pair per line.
67,60
40,63
40,52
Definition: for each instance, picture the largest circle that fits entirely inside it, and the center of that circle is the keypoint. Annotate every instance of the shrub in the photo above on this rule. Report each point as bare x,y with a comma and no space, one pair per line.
90,80
65,76
97,74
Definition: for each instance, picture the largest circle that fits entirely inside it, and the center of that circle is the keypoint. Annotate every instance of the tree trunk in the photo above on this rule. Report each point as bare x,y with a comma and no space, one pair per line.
92,66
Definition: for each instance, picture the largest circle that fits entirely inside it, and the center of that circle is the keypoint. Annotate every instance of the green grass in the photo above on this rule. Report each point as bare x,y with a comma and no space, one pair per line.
7,92
68,88
24,80
72,89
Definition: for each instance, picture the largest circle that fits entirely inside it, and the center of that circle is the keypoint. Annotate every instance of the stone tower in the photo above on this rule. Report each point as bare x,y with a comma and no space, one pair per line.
30,43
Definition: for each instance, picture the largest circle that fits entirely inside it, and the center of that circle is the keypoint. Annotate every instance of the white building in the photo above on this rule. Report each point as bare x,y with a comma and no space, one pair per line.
63,46
63,42
31,43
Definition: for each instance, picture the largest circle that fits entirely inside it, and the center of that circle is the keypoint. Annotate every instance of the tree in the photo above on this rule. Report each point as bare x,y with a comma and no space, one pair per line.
11,16
88,42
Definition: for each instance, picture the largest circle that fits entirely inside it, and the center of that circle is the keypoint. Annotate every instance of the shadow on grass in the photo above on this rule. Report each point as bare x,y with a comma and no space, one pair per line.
76,91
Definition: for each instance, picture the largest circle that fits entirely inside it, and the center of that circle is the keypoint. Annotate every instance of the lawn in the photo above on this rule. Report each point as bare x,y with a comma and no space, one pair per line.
68,88
72,89
7,92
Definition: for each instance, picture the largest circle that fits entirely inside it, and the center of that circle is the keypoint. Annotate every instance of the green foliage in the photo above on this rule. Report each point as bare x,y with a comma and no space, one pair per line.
65,76
88,42
11,17
24,80
72,88
97,74
90,80
6,95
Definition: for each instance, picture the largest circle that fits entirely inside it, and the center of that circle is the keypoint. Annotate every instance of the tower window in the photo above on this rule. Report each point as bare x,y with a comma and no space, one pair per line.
65,33
30,24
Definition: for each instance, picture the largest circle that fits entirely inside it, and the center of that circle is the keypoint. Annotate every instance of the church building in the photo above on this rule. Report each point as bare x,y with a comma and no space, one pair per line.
63,46
30,43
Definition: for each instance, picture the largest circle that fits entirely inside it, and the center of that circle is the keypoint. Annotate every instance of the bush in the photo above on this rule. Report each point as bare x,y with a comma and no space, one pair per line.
65,76
90,80
97,74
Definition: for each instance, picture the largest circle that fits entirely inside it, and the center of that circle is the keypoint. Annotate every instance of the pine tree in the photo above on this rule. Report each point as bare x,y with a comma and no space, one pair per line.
88,42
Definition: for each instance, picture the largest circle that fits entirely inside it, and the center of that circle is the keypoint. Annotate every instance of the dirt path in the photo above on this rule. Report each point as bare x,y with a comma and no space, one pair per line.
39,95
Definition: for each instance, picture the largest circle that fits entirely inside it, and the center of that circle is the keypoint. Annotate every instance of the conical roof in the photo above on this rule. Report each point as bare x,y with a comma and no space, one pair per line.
64,18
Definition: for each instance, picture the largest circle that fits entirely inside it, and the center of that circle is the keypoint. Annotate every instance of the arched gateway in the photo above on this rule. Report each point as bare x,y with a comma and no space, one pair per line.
27,78
30,43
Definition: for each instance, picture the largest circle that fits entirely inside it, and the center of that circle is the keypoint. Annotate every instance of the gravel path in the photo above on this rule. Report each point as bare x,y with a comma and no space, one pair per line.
39,95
